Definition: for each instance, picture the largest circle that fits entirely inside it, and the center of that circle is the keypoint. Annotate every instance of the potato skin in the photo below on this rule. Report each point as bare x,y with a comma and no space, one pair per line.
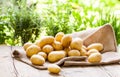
73,53
45,40
97,46
83,52
37,60
47,49
59,36
43,54
57,45
92,51
26,45
95,58
66,40
53,68
76,43
55,56
33,49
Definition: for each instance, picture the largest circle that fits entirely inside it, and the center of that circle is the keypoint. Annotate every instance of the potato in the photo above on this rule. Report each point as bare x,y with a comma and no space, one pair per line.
47,49
53,68
76,44
57,45
92,51
95,58
97,46
56,56
43,54
26,45
66,40
84,47
83,52
67,50
33,49
73,53
37,60
59,36
45,40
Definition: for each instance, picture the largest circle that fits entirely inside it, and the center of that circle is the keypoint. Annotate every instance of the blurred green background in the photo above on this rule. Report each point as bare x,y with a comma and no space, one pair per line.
27,20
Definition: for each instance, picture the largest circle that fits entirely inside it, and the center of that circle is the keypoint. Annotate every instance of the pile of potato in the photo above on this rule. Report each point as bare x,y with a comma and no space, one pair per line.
62,45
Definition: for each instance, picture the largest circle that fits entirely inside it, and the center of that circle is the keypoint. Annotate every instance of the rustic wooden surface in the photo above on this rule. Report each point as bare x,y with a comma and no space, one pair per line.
10,67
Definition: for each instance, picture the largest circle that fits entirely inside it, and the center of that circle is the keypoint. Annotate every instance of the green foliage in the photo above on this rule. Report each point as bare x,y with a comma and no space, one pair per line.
25,23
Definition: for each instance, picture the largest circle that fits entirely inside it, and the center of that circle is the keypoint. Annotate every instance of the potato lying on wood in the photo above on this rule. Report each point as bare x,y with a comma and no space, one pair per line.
97,46
37,60
59,36
76,43
55,56
45,40
33,49
74,53
66,40
95,58
83,52
53,68
47,49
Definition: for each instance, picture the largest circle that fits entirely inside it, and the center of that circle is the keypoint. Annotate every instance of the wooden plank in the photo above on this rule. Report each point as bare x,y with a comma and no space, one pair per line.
25,70
6,62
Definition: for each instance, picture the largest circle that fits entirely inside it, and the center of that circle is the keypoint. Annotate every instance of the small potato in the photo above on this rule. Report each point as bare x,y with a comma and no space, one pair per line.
76,44
66,40
37,60
53,68
47,49
83,52
26,45
95,58
59,36
92,51
55,56
43,54
73,53
33,49
84,47
97,46
45,40
67,50
57,45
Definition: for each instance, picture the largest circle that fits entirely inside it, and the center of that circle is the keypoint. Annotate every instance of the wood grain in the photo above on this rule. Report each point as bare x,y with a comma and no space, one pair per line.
6,62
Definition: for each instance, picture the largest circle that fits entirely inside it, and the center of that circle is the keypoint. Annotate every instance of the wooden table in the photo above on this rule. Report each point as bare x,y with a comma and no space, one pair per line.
10,67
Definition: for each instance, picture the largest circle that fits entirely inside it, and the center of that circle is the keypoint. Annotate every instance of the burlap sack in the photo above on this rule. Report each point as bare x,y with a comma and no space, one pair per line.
104,34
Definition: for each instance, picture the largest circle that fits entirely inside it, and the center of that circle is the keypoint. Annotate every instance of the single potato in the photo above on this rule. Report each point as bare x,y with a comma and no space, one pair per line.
47,49
55,56
57,45
33,49
84,47
97,46
43,54
37,60
83,52
66,40
53,68
95,58
45,40
26,45
76,44
74,53
59,36
92,51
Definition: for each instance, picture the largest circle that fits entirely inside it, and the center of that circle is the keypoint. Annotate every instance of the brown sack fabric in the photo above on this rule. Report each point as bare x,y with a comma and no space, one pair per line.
103,34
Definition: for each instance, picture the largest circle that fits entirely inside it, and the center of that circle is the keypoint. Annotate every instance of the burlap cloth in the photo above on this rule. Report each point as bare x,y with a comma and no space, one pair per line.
104,34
